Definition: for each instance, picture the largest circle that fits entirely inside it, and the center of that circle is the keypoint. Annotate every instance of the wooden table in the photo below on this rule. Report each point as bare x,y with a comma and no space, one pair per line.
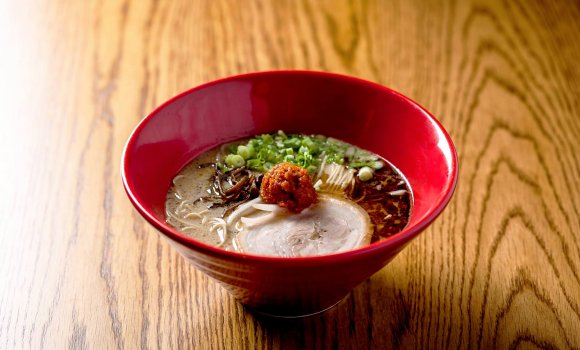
81,269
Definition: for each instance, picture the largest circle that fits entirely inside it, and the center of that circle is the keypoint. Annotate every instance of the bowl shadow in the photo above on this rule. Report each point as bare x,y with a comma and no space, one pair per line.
374,315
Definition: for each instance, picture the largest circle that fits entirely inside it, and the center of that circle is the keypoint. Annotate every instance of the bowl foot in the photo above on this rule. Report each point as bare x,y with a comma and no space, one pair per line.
266,313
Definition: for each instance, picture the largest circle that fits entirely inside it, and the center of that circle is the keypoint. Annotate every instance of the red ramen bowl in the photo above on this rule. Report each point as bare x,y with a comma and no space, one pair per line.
363,113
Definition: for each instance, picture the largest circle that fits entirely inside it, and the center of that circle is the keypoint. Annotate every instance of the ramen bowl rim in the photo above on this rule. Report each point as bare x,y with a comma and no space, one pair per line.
397,241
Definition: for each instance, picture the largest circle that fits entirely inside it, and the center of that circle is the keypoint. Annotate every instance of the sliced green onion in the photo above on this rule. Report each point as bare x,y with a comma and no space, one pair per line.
365,173
235,161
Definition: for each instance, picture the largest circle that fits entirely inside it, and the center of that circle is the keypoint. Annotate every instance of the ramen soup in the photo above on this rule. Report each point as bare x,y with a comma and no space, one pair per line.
289,195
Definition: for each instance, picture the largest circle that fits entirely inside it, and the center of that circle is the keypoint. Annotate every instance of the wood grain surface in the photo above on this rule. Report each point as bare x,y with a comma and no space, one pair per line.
81,269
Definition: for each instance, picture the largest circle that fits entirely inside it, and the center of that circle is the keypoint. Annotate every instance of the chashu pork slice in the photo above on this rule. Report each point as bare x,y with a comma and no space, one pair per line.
330,226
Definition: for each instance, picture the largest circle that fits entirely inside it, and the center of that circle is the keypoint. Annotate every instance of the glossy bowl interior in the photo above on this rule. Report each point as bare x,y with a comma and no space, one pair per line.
356,111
